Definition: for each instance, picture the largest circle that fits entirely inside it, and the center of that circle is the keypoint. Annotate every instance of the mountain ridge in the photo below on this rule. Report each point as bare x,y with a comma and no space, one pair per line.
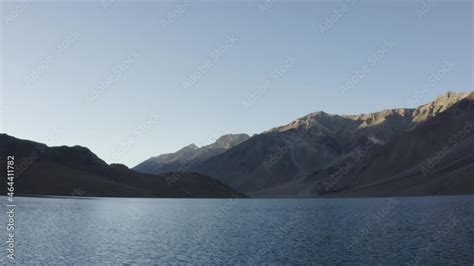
313,143
190,155
63,170
393,152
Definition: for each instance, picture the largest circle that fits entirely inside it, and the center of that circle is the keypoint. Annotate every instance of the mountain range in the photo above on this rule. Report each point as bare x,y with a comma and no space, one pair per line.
376,154
189,156
426,150
76,171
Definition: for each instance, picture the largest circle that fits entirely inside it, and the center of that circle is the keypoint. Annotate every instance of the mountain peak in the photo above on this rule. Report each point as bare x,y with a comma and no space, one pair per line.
449,98
451,95
470,96
306,121
190,155
440,104
191,146
229,140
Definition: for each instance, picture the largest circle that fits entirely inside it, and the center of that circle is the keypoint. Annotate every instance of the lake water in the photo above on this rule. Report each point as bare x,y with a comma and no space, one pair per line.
422,230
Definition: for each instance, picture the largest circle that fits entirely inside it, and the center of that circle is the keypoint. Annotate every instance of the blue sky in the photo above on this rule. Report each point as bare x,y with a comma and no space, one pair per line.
131,80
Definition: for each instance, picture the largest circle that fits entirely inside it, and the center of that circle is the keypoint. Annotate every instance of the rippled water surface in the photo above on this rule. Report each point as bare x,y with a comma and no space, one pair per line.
423,230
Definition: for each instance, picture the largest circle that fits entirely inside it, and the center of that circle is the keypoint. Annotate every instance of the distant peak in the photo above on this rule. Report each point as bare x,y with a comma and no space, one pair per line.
440,104
192,146
230,137
229,140
451,95
307,121
320,113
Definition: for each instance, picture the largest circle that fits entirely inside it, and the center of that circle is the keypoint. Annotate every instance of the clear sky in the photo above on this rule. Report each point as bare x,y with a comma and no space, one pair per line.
131,80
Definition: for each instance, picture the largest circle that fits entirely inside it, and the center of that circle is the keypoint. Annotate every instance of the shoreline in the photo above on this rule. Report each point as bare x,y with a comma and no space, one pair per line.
235,198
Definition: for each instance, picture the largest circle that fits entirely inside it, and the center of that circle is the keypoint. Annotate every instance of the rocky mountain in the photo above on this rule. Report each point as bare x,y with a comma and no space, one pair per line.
189,156
426,150
43,170
298,158
435,157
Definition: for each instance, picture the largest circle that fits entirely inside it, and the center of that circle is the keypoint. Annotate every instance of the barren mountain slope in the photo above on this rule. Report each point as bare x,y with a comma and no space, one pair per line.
317,145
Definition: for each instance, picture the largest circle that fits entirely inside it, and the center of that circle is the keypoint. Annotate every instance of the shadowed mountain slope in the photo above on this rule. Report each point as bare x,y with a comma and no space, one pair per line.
43,170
